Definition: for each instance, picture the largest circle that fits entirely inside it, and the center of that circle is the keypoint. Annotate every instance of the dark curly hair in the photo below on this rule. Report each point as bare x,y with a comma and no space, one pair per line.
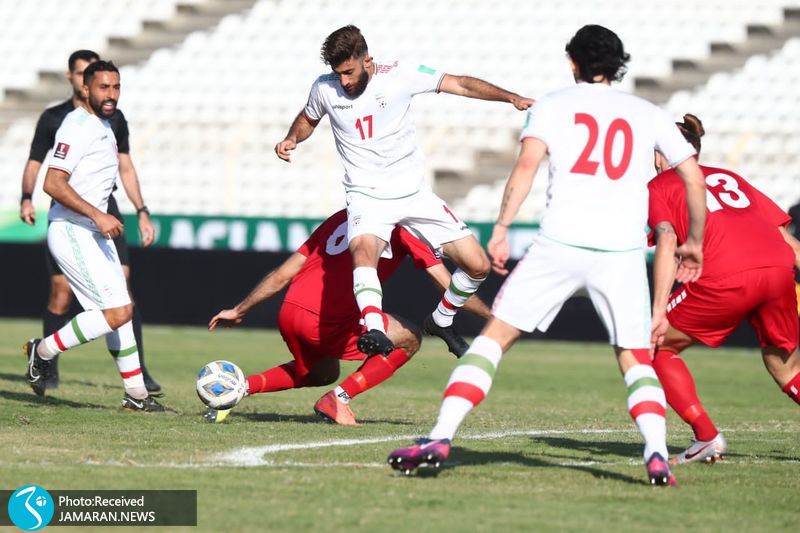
692,130
596,50
343,44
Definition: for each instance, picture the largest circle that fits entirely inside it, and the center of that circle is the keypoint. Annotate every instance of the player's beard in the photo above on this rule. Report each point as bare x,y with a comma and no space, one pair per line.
360,86
97,107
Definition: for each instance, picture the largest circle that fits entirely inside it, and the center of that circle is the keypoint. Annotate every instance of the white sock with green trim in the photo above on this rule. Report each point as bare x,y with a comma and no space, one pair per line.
461,288
468,386
369,297
122,346
85,327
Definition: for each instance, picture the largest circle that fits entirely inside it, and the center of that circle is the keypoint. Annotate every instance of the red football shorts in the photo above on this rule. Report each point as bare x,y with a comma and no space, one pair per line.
710,310
310,340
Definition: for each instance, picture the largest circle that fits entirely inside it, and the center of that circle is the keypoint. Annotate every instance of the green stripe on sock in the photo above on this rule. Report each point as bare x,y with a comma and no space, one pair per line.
643,382
77,330
459,292
123,353
476,359
359,291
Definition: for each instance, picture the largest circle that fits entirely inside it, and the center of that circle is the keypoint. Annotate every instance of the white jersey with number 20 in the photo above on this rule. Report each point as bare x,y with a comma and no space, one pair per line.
374,132
600,143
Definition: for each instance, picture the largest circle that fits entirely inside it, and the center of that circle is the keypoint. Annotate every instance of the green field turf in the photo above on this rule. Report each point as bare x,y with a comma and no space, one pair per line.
552,447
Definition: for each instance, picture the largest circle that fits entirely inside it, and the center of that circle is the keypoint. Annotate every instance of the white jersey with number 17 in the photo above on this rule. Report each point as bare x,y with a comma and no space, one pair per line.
600,143
374,132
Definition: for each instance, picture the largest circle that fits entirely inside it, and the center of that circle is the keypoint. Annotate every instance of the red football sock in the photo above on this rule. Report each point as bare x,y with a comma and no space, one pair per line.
793,388
681,393
277,378
374,371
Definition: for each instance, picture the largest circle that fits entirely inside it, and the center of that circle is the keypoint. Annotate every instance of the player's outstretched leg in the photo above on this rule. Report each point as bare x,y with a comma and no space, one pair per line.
647,406
468,385
424,453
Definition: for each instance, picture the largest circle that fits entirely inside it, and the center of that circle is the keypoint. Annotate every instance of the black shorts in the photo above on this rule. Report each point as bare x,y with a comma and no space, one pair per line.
119,242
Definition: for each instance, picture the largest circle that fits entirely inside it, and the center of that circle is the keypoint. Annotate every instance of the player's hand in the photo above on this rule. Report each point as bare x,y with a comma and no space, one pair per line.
108,225
522,103
658,328
228,318
146,229
27,213
284,147
499,249
691,265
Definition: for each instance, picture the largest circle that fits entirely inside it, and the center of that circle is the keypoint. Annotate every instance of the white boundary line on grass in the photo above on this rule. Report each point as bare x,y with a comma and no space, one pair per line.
255,456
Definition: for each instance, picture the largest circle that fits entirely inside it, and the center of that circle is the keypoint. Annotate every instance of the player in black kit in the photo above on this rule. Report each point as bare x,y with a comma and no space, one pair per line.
50,120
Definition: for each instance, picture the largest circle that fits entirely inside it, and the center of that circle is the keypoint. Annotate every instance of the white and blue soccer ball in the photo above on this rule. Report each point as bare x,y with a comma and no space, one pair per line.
221,384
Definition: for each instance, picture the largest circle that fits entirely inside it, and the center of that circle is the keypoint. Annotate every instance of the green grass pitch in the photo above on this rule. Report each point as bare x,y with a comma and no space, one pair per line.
551,448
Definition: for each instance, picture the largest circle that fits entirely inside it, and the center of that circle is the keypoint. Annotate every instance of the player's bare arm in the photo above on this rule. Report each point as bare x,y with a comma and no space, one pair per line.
130,182
300,130
57,186
268,287
517,188
664,270
27,213
473,305
482,90
793,243
691,251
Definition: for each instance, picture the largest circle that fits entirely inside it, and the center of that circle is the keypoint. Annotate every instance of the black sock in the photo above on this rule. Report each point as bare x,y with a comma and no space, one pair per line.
137,333
53,322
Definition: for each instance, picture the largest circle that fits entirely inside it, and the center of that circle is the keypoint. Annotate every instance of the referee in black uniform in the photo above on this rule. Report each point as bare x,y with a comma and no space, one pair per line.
55,315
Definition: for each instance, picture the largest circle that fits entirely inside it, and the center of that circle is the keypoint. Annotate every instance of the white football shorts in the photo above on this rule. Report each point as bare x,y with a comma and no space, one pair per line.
424,214
551,272
90,263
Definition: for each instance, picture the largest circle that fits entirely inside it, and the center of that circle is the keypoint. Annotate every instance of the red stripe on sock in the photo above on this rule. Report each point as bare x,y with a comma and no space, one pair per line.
469,392
126,375
372,309
642,408
448,305
60,344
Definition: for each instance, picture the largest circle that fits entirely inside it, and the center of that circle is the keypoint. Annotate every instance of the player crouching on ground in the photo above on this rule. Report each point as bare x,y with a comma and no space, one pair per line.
80,178
747,275
321,323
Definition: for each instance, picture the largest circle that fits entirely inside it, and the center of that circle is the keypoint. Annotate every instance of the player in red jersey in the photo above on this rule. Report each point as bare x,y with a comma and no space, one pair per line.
747,275
320,320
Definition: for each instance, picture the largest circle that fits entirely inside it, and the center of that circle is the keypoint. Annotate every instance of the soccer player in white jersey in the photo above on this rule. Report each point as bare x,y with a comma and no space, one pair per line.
80,179
600,144
368,103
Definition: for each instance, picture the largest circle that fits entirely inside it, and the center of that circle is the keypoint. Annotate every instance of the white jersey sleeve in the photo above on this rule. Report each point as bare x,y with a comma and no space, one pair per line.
417,77
71,144
670,141
538,123
315,108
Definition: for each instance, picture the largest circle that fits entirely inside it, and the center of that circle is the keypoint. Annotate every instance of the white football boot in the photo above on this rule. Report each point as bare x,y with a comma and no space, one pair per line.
707,451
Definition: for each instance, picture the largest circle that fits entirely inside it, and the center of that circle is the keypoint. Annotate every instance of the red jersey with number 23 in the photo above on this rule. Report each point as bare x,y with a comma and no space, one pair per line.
741,222
324,285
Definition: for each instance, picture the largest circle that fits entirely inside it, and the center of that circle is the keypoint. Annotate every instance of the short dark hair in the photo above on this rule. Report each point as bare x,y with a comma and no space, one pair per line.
98,66
86,55
692,129
596,50
343,44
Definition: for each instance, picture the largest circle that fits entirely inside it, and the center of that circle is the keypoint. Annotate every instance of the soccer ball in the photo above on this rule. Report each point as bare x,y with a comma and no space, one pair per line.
220,384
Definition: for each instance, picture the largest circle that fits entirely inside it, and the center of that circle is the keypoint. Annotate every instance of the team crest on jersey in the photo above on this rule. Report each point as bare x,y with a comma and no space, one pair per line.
61,151
380,100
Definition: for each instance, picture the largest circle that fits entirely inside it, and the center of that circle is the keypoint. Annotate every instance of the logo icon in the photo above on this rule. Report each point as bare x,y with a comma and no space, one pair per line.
30,507
61,151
